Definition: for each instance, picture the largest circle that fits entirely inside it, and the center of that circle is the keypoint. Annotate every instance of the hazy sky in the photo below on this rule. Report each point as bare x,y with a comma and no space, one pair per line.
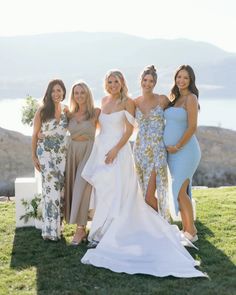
212,21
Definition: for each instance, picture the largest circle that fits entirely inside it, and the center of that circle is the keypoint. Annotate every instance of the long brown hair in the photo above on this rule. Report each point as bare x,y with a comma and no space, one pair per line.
74,107
175,94
48,108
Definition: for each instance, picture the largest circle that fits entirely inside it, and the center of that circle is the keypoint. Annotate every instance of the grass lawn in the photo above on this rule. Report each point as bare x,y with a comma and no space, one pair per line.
29,265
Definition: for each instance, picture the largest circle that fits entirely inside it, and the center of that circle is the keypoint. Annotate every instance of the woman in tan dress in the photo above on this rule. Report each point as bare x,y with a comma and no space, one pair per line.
82,127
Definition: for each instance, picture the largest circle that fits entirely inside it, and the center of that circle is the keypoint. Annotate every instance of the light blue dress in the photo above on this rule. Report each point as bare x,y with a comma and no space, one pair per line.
183,163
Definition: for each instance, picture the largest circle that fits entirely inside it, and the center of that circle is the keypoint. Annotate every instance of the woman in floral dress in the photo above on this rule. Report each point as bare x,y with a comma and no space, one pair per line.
149,148
49,156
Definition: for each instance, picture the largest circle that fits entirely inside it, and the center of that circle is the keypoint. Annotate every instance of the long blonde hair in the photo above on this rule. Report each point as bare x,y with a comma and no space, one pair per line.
74,107
120,77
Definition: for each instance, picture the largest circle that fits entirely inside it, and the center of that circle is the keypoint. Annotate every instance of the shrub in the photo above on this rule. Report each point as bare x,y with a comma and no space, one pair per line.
32,208
29,110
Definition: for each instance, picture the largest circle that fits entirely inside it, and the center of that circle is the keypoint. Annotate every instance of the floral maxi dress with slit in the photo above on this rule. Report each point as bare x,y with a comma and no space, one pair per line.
150,155
51,153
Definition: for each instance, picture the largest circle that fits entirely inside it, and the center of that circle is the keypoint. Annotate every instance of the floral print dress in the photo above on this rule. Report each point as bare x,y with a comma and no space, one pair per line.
150,154
51,151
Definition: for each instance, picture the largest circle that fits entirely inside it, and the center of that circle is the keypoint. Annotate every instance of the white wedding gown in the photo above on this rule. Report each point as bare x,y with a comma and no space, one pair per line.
133,237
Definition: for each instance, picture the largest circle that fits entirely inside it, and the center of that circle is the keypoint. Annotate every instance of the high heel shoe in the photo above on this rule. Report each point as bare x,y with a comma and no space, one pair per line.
92,244
190,237
82,238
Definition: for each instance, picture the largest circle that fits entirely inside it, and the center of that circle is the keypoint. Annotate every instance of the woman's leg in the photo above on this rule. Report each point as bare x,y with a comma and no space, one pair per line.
150,197
186,210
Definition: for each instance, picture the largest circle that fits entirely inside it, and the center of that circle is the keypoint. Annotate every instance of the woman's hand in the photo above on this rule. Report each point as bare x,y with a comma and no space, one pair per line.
36,163
40,135
111,155
67,112
172,149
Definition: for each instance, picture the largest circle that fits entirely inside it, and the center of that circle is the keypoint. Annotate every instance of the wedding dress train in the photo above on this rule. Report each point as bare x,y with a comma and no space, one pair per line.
133,237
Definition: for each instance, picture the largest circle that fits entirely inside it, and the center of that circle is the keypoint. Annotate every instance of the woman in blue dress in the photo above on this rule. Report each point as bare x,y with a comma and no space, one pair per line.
182,146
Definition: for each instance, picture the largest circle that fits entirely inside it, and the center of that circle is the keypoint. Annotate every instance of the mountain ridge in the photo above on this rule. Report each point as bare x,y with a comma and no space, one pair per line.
28,62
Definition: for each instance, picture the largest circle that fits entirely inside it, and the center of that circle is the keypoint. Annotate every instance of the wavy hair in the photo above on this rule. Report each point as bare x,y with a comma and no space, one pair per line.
48,108
175,94
73,105
120,77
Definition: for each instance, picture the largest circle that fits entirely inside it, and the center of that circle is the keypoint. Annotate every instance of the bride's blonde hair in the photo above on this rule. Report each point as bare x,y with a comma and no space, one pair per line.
121,79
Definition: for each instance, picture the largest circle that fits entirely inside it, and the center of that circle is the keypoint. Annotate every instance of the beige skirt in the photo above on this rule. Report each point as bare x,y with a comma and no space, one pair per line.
77,190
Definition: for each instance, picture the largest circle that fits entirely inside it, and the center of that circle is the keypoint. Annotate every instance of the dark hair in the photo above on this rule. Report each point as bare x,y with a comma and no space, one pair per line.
175,94
149,70
48,109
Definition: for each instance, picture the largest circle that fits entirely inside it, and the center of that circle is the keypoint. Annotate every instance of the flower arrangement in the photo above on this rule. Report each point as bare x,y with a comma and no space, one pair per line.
29,110
33,208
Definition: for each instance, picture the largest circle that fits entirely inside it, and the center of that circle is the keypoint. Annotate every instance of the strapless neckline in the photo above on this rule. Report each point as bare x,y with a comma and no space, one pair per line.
112,112
176,108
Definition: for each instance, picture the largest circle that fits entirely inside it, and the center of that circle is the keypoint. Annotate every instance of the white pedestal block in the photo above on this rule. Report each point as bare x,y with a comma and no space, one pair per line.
38,177
25,188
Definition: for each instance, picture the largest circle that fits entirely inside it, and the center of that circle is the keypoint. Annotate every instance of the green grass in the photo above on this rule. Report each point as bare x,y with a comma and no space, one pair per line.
29,265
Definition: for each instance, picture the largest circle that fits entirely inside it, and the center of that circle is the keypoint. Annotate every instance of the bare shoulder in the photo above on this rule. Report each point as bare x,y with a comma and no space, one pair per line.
38,112
192,100
136,101
37,122
104,99
130,106
164,99
129,103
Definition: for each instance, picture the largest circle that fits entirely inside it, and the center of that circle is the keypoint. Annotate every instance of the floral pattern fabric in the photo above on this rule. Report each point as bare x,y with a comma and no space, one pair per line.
150,154
51,151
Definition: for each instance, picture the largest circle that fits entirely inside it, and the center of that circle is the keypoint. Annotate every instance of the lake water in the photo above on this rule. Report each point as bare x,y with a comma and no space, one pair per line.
214,112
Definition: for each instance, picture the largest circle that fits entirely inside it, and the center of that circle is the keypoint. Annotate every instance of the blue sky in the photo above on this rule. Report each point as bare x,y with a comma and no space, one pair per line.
211,21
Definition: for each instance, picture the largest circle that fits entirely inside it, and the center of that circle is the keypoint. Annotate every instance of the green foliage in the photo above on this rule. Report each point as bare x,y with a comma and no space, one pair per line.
29,110
32,208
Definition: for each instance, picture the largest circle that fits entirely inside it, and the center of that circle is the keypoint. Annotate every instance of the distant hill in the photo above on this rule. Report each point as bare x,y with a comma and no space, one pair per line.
217,166
28,62
15,155
218,162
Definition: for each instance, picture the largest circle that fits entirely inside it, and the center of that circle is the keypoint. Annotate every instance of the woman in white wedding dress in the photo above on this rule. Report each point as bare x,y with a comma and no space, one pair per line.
133,237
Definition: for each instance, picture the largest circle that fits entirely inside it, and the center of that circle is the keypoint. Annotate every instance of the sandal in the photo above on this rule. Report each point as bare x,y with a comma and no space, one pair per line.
190,237
82,238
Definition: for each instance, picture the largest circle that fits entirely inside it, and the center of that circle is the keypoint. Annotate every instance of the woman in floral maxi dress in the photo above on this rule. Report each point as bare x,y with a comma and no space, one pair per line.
149,149
49,156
